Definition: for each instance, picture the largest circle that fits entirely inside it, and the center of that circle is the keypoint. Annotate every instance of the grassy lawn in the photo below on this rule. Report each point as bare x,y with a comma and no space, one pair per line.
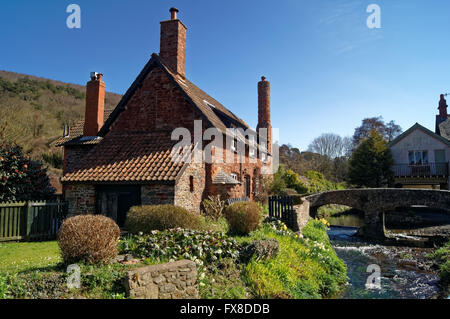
21,257
305,267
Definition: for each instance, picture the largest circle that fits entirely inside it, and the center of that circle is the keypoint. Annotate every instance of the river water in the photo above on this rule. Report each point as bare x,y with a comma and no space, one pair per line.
403,272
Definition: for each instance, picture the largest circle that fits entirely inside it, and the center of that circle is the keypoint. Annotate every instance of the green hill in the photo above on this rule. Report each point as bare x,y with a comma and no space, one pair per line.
36,110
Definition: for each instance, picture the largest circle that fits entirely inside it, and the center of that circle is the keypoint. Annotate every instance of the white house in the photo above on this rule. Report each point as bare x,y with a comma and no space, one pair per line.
421,156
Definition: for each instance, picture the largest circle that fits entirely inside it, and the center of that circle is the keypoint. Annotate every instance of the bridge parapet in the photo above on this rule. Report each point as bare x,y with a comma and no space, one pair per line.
375,201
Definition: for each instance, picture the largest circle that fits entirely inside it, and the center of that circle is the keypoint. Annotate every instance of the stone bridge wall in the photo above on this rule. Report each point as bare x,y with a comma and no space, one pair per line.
374,202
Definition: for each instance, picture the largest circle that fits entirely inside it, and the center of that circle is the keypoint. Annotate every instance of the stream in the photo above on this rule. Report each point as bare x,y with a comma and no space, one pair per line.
404,271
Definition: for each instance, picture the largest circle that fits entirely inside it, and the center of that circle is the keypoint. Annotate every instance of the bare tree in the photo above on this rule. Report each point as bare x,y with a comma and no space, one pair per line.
392,130
330,145
388,131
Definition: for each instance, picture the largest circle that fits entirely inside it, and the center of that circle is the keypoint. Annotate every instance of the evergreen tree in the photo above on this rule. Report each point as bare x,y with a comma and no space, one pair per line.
371,163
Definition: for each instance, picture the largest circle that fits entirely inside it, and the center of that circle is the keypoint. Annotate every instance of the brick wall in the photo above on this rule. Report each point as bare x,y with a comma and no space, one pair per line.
157,105
173,45
253,170
174,280
187,196
81,199
157,194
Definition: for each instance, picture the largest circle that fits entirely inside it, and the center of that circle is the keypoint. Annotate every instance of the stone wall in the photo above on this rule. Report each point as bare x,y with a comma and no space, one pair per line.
173,280
81,198
157,194
301,216
187,195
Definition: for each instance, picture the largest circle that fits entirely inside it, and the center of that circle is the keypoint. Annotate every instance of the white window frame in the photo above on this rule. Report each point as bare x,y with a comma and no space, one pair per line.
419,158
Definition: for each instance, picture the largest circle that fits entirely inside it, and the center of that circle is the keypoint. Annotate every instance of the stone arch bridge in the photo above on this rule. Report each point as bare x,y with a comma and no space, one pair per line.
374,202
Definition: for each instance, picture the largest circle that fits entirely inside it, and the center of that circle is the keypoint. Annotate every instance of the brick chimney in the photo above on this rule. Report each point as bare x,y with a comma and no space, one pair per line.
173,43
264,110
442,116
442,107
95,105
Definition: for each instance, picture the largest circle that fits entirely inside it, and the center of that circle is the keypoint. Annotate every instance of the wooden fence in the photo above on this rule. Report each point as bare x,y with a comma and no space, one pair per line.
282,208
31,221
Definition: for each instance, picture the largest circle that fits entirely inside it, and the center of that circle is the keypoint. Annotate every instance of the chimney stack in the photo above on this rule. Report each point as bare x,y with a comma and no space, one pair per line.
173,43
442,107
264,110
95,105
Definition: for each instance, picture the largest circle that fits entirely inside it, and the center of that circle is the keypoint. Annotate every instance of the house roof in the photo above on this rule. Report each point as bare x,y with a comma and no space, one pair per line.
444,129
223,178
140,156
417,126
218,115
123,157
76,133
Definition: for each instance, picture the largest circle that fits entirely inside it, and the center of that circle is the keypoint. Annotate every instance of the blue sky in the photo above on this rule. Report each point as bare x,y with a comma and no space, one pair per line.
327,69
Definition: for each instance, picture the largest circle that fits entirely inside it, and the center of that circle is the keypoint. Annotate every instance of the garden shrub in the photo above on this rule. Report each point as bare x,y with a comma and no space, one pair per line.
160,217
88,238
199,246
213,207
243,217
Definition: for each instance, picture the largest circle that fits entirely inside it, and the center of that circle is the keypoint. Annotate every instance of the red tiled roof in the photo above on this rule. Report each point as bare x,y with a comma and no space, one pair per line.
141,157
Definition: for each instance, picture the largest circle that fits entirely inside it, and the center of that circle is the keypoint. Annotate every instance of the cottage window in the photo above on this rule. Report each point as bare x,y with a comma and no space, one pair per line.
191,183
264,157
418,157
234,176
234,145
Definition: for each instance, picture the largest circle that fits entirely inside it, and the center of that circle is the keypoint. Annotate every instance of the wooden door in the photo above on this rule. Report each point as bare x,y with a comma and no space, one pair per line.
116,201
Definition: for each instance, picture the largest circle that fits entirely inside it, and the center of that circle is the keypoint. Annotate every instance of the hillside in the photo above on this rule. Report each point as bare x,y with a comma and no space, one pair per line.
36,110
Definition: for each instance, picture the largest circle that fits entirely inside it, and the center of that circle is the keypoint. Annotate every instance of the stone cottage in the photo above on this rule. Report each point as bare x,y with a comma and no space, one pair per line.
115,159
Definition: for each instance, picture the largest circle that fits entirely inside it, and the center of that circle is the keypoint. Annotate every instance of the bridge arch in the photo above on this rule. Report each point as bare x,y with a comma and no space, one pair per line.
374,202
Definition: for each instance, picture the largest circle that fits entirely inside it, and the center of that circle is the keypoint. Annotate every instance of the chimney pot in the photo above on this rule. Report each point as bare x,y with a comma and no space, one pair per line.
93,76
173,13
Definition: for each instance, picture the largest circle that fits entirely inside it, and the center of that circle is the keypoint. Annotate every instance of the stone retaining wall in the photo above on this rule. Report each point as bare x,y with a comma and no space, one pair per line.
173,280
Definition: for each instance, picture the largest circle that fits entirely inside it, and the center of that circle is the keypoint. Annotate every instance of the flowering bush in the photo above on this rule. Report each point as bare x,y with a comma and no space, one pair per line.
20,177
199,246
